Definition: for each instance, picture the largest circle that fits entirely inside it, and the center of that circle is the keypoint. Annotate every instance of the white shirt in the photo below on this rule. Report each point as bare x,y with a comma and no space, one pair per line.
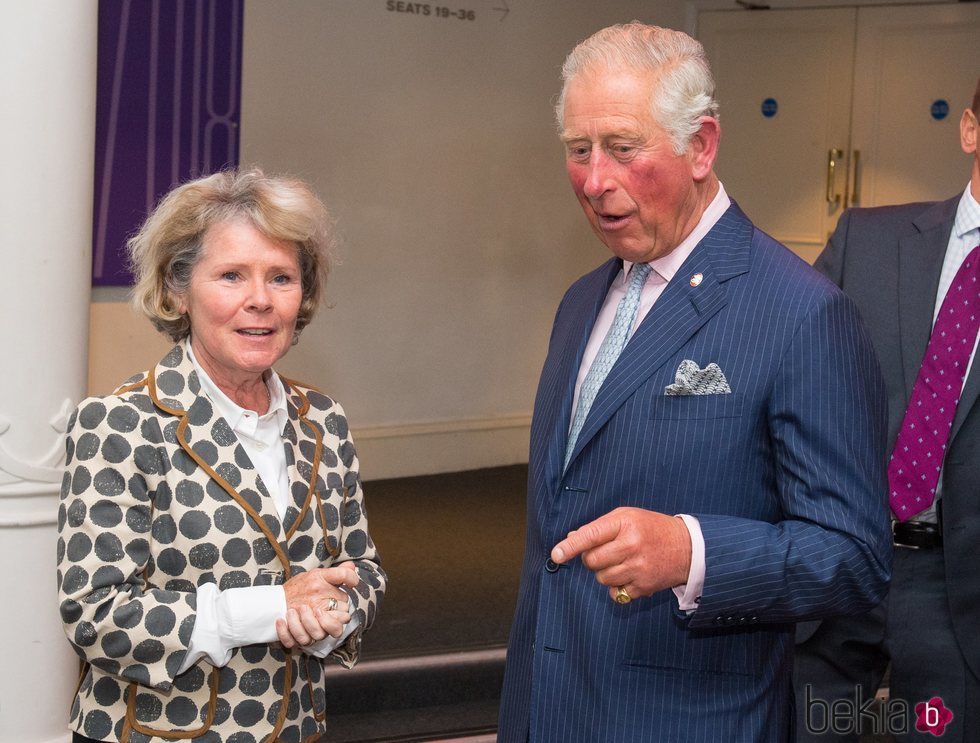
664,269
247,616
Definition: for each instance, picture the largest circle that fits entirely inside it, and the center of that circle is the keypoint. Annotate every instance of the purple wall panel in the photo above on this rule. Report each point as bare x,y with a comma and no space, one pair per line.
168,107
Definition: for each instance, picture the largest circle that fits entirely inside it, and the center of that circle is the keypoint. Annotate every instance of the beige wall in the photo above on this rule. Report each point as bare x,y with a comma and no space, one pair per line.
432,141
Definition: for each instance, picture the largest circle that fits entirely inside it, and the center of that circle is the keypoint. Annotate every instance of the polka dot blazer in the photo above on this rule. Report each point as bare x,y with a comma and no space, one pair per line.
158,498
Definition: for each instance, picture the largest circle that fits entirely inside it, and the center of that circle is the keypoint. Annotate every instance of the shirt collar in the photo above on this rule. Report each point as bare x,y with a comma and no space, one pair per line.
232,411
668,265
967,214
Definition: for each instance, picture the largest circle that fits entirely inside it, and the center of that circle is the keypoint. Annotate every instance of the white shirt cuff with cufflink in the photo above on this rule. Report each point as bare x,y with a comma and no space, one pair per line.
689,594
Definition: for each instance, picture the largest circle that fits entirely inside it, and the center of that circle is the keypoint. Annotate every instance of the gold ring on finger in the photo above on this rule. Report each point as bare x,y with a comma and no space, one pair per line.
621,596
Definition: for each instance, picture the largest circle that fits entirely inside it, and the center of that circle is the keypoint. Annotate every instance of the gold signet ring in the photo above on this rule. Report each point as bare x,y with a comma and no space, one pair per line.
621,596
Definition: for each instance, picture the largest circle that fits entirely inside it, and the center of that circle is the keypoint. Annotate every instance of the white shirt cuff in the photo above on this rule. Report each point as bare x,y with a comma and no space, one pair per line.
232,618
328,644
689,594
244,616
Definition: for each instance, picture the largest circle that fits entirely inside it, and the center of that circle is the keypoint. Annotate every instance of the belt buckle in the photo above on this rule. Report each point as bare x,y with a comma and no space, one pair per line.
916,535
896,543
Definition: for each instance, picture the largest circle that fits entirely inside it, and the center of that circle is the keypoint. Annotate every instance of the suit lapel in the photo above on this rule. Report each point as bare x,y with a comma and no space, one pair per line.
677,315
209,441
971,391
920,259
303,443
557,385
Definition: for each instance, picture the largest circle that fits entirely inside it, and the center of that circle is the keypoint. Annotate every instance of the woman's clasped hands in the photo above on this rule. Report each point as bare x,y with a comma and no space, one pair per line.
316,606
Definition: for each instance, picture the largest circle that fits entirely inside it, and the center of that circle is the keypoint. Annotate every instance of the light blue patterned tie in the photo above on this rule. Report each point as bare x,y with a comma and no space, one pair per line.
612,346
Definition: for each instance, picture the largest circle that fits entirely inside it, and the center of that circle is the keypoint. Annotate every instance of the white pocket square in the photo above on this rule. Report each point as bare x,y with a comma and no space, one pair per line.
691,380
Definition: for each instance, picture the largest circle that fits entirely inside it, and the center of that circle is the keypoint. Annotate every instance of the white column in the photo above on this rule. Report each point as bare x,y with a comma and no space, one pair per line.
47,135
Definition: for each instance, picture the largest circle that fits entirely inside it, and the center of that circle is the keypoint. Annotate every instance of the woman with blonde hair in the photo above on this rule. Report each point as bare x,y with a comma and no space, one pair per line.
214,547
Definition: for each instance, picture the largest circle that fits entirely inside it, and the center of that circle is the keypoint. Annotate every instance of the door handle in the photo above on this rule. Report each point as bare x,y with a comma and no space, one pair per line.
832,156
855,196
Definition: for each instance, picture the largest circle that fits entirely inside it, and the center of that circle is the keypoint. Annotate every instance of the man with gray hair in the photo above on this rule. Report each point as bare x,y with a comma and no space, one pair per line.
707,458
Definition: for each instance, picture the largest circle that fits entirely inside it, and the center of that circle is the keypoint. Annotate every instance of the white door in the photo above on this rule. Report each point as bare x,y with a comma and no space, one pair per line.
913,62
822,109
784,84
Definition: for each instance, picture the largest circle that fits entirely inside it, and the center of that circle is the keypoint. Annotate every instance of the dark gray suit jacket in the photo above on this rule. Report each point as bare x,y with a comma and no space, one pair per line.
888,259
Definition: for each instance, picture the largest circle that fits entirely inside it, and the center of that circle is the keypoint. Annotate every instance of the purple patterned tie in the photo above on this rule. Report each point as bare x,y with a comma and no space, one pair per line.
917,460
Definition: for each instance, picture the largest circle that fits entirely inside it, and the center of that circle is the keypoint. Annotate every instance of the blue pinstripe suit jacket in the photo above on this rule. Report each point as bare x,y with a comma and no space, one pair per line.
785,474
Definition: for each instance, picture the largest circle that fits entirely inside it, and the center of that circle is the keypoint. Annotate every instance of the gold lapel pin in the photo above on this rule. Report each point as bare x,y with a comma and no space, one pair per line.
696,279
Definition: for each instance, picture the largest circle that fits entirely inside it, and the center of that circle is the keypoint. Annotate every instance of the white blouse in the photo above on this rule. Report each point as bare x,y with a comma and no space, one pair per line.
247,616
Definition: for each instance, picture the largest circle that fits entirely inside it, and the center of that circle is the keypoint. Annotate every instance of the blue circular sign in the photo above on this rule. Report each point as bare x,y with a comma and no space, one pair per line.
939,109
769,107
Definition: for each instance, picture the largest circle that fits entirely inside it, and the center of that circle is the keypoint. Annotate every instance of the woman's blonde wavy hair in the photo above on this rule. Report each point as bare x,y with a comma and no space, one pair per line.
170,242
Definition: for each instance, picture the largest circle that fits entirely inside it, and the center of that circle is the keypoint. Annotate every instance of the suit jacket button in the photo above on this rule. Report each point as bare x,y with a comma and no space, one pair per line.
551,566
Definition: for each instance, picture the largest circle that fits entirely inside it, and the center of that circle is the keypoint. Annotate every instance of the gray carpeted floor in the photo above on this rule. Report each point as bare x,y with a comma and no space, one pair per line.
432,664
452,546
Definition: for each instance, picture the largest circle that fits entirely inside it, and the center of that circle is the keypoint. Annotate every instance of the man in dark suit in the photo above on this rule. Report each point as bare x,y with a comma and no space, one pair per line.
707,448
901,265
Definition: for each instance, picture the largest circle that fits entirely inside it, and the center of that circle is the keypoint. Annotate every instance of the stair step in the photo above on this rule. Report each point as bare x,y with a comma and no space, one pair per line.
437,697
473,722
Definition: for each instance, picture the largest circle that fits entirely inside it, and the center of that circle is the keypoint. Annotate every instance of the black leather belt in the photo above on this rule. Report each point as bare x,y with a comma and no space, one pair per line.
917,534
